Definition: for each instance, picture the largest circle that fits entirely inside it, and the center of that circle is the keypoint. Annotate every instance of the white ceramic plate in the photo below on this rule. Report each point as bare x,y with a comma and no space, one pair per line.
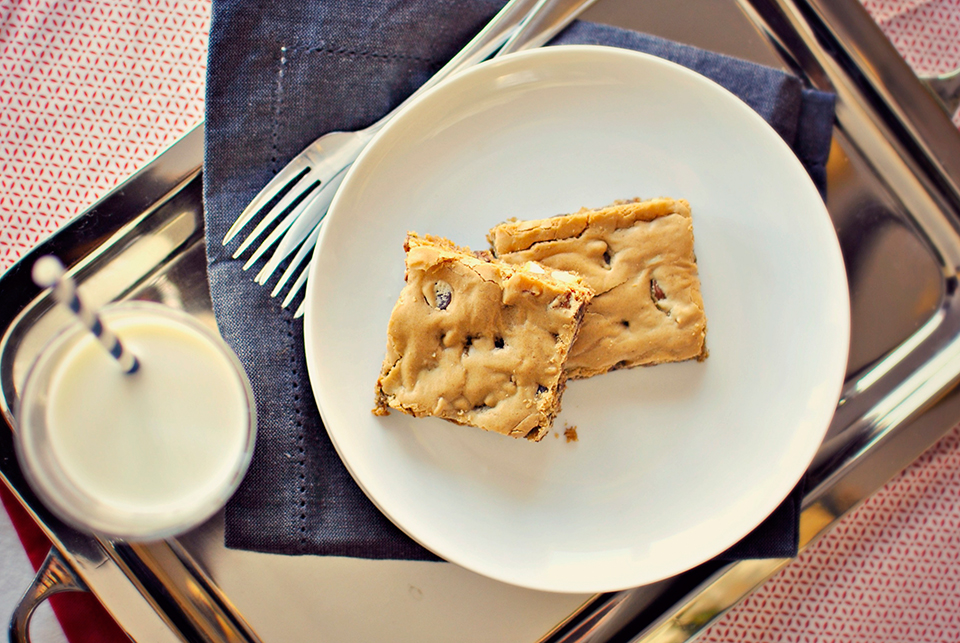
674,463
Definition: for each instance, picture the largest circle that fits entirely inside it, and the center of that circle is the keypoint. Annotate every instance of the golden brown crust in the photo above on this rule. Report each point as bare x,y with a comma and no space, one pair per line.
638,257
476,341
516,235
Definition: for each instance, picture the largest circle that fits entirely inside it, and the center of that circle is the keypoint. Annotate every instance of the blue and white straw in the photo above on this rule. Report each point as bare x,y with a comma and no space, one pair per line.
48,272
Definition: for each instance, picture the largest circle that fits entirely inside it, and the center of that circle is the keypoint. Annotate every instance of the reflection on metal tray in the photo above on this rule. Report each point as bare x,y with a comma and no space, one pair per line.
893,195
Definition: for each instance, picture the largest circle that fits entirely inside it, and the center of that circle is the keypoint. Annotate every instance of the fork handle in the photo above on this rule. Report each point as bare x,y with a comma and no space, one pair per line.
544,22
482,46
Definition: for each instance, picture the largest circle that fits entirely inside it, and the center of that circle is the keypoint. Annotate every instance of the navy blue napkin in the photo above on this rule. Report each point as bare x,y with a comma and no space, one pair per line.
280,74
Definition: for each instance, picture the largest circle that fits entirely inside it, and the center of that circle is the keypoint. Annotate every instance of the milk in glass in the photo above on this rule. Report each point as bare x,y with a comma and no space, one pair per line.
139,455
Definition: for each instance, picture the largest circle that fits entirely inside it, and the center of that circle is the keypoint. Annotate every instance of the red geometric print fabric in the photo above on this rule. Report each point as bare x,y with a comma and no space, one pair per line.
889,572
925,32
90,90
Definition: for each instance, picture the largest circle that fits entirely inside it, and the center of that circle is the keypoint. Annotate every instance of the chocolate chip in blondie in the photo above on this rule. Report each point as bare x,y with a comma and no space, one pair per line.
478,341
638,258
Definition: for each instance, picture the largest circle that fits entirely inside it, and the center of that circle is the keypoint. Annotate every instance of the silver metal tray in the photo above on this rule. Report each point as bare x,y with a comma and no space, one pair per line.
894,198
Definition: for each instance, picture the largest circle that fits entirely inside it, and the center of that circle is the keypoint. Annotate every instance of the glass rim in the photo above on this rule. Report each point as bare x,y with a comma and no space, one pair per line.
77,507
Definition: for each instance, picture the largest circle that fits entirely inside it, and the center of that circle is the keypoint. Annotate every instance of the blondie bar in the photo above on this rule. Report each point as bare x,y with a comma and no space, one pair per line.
638,258
478,341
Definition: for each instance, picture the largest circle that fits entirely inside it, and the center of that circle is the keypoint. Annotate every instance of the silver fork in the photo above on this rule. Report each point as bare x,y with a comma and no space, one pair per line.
323,162
517,26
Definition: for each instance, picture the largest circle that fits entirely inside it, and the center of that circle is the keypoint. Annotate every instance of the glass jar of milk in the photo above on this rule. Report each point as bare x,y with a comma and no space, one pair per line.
138,456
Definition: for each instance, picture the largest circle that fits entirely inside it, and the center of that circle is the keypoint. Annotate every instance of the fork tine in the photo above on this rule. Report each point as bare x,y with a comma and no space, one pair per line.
312,210
305,249
297,286
284,177
302,186
271,239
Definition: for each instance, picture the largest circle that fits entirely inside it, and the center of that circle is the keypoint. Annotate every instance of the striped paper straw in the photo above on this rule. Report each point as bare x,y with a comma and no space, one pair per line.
48,272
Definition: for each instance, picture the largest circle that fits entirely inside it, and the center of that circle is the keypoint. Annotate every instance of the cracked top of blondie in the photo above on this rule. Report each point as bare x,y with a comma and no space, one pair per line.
477,341
638,258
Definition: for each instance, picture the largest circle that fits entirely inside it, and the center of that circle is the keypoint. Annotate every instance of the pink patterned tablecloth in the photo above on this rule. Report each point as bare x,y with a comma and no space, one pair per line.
91,90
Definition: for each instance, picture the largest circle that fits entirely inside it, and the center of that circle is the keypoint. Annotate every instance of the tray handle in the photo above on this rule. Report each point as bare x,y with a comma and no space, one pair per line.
54,576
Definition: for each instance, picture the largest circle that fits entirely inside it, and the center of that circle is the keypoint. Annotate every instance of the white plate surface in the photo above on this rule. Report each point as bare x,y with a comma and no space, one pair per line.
674,463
